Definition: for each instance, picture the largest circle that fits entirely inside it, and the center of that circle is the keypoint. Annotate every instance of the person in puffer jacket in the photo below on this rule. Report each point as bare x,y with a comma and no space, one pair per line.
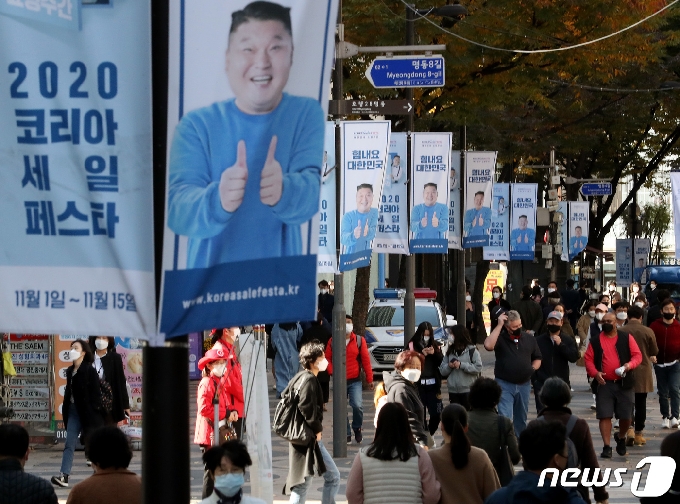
461,366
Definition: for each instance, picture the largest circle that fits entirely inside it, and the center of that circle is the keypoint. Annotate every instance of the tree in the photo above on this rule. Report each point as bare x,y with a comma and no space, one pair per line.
656,220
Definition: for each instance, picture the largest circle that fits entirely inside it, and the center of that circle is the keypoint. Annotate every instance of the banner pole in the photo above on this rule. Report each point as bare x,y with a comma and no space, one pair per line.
460,265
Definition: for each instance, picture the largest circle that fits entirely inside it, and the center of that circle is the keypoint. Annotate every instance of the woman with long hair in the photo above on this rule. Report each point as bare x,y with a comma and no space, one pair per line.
225,339
109,367
392,468
461,366
465,472
430,383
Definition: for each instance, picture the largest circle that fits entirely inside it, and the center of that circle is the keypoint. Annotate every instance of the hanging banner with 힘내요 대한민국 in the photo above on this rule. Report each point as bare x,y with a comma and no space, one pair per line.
523,222
364,156
430,166
327,256
675,196
392,234
245,161
454,202
579,215
563,230
499,234
624,262
77,252
642,252
480,168
60,14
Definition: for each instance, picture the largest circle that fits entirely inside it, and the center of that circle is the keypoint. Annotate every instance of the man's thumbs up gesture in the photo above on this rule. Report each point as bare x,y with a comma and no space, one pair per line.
435,220
357,230
366,228
233,181
271,183
423,221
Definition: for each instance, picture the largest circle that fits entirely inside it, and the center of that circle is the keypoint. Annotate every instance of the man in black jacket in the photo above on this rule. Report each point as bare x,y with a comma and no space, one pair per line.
557,351
17,486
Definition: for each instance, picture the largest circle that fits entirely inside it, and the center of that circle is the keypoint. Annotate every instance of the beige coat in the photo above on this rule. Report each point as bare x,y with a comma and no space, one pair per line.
108,486
645,339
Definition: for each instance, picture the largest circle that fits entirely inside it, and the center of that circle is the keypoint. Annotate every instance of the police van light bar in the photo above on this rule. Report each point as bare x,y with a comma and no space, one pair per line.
389,293
424,294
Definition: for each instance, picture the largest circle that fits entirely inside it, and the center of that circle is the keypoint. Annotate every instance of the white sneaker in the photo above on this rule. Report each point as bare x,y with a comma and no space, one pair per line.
674,423
666,423
616,423
594,405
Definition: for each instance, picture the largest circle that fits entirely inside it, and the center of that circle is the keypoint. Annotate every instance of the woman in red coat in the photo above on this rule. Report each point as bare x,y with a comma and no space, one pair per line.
224,340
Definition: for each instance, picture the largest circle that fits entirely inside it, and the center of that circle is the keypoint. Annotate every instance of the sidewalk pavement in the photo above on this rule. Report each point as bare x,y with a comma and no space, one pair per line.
44,461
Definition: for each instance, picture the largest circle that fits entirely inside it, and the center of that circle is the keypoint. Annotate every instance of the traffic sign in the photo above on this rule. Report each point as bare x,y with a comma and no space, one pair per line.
406,71
596,189
370,107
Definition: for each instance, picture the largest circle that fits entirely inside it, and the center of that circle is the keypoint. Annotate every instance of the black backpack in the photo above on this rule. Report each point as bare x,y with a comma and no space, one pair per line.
288,420
572,460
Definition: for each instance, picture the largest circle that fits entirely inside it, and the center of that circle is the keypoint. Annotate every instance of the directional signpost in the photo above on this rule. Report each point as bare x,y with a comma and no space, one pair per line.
370,107
596,189
406,71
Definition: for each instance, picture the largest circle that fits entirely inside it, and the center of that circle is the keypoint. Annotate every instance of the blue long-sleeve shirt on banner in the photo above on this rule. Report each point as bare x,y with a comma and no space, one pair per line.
473,226
205,145
350,221
429,230
577,244
523,240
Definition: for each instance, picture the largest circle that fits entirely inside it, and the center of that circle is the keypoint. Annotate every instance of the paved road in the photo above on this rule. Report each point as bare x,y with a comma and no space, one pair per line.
45,461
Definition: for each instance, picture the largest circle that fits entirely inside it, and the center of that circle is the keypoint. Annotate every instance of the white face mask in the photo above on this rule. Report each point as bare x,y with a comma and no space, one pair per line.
551,290
101,344
426,339
591,314
324,291
468,298
622,315
323,365
349,327
496,295
599,315
412,375
219,369
639,304
652,286
74,355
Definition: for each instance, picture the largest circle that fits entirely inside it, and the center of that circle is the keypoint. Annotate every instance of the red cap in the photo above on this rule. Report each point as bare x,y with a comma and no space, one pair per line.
211,356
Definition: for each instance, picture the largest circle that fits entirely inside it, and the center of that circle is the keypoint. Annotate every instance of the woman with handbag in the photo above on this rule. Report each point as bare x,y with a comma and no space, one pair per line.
213,386
109,367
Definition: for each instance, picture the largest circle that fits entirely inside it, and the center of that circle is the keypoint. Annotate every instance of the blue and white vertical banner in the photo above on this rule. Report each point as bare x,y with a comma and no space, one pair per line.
454,202
327,256
480,169
642,252
624,262
57,13
579,222
364,157
430,165
523,222
563,230
247,101
392,234
76,254
675,191
499,234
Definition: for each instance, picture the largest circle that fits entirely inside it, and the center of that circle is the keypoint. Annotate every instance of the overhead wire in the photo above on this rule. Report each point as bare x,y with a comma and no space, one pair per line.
614,90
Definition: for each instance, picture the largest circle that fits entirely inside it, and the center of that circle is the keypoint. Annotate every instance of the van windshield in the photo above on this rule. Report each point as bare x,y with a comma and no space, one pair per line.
673,288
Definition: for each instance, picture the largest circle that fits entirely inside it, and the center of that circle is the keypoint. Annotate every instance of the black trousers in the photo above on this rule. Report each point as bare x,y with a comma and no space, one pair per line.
640,411
431,396
462,399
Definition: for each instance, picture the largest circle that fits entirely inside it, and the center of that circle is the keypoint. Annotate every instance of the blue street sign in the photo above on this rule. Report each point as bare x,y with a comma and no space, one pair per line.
596,189
406,71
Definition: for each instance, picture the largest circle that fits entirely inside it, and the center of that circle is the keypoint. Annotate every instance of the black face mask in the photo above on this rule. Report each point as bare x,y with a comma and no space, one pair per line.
669,316
606,327
554,328
516,332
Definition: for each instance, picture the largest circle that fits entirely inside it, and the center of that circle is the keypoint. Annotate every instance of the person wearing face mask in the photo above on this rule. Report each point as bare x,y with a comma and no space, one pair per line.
610,358
285,339
667,367
595,329
461,366
654,312
82,407
226,340
604,299
552,287
634,291
652,293
530,311
401,388
213,385
109,367
496,302
326,301
585,321
621,312
429,385
357,358
557,351
469,312
517,358
567,328
226,465
304,462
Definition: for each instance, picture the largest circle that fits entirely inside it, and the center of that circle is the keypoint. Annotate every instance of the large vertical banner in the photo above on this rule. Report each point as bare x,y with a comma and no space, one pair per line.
392,234
479,176
675,190
523,222
430,164
642,252
454,202
76,254
327,256
248,92
563,230
499,234
624,261
364,156
579,218
59,13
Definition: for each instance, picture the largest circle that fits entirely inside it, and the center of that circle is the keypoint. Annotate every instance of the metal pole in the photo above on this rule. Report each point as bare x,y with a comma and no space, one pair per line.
633,219
565,239
339,362
460,267
381,271
410,300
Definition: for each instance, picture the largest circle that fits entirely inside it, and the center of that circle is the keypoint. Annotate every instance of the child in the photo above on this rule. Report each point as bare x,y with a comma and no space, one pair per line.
462,365
379,400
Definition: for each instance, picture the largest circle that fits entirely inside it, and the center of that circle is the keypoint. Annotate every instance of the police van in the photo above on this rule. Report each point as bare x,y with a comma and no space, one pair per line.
385,323
666,277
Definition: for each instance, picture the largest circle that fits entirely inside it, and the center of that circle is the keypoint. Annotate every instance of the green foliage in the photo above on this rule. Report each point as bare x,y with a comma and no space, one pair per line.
655,220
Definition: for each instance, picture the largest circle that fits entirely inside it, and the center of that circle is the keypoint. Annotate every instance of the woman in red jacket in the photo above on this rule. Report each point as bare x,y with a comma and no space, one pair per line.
224,339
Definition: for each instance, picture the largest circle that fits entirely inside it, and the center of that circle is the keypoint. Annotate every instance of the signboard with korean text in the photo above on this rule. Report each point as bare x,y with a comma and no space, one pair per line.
364,156
246,148
499,234
479,176
76,185
624,262
454,202
29,389
523,222
61,361
642,252
130,350
406,71
392,234
579,218
327,256
430,168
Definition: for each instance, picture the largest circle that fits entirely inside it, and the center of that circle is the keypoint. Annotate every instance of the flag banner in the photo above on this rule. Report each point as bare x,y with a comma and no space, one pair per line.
479,176
327,256
579,218
642,252
563,230
675,190
499,237
364,156
523,222
454,202
246,145
624,261
430,166
77,252
58,13
392,234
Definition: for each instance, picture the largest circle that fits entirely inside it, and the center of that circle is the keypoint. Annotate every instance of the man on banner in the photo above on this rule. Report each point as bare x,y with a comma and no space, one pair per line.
396,170
358,227
429,220
248,167
477,220
523,238
577,242
639,269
